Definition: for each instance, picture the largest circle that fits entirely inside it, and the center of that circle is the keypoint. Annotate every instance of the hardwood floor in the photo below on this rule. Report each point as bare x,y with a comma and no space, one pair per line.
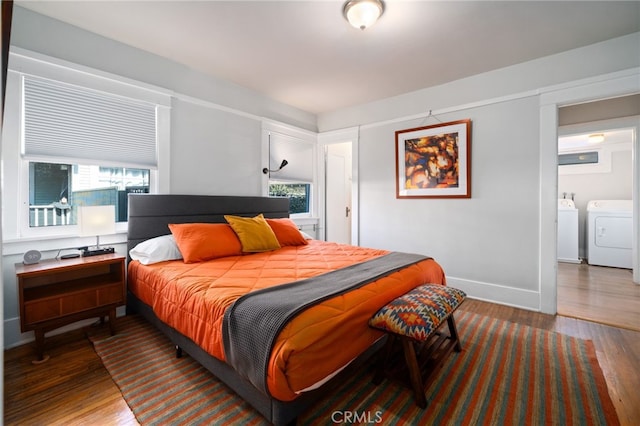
73,388
600,294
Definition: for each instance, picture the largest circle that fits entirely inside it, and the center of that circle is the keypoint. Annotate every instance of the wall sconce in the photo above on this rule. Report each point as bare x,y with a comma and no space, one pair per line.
266,170
363,13
97,220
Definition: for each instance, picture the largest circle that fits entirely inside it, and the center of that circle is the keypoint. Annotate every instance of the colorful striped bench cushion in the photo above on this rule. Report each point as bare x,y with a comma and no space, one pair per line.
419,312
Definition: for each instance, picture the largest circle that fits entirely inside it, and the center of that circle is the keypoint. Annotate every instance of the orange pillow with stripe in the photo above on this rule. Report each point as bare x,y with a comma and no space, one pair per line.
287,232
205,241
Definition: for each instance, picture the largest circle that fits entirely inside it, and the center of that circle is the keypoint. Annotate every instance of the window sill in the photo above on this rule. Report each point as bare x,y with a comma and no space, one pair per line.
55,243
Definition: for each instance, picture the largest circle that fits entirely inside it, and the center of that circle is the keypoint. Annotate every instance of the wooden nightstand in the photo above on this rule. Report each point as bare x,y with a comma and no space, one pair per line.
54,293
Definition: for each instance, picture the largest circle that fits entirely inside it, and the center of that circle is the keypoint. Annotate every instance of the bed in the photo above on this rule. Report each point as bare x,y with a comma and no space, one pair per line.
208,305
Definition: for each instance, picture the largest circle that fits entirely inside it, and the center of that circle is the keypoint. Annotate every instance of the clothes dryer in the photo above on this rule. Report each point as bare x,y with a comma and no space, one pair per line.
609,232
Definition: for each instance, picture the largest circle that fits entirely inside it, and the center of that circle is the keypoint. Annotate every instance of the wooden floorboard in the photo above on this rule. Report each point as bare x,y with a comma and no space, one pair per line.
600,294
73,387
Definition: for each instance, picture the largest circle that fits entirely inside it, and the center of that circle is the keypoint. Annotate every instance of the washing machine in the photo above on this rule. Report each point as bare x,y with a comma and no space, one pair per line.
567,231
609,232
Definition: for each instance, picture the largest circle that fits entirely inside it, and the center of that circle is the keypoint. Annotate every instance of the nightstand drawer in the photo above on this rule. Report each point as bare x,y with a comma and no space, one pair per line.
41,310
110,295
78,302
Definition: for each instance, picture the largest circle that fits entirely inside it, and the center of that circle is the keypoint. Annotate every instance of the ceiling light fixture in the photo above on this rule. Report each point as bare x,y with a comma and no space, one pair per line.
363,13
596,138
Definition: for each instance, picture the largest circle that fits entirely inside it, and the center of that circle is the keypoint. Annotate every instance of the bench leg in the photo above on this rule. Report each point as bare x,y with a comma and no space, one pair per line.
453,331
414,372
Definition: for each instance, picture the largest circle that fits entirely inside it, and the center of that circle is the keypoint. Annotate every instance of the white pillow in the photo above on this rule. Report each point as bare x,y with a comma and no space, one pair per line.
305,235
156,250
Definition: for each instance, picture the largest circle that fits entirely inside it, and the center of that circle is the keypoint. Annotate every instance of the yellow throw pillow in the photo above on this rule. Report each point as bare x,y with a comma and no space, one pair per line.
254,233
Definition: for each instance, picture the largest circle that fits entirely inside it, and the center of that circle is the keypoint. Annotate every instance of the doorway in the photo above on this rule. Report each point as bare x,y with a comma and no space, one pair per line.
338,181
596,163
338,204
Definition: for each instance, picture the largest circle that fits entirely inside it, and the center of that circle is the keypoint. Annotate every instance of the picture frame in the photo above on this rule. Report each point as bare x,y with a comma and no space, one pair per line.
434,161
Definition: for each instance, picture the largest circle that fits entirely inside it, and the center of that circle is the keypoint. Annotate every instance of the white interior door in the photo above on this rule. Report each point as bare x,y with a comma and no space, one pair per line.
338,193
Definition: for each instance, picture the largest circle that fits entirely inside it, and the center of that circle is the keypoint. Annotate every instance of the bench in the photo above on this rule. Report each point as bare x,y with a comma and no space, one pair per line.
414,319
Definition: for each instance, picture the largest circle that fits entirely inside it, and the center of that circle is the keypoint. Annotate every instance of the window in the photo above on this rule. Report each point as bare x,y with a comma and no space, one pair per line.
69,128
295,179
578,158
93,145
299,195
55,189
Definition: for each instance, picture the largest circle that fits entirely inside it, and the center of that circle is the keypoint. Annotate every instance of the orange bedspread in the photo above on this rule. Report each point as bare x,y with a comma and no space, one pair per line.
192,298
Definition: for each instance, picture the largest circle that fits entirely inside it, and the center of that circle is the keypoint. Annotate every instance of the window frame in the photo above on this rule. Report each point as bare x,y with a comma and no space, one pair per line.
23,219
16,178
294,182
304,136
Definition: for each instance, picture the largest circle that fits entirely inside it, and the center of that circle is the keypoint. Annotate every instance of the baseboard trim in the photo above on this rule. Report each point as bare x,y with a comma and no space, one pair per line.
495,293
569,260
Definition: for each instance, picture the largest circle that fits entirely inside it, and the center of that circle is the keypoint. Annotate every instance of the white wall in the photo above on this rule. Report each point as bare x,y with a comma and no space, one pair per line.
473,238
496,244
214,152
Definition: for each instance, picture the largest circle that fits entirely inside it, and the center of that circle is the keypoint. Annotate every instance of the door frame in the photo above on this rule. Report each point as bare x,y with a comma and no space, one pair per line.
333,137
612,85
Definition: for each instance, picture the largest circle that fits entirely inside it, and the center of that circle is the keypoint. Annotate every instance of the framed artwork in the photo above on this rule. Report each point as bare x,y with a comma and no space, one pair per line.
434,161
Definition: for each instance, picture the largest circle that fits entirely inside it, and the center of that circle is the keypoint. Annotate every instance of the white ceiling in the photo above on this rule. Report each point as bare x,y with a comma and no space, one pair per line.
581,141
304,53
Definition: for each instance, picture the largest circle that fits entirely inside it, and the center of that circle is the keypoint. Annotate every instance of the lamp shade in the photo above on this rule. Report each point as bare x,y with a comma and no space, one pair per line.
97,220
363,13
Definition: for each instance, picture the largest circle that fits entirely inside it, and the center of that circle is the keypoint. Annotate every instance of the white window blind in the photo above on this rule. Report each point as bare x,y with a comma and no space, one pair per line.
299,155
62,120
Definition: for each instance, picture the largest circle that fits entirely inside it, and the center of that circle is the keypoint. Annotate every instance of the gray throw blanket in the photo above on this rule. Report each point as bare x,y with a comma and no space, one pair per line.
252,324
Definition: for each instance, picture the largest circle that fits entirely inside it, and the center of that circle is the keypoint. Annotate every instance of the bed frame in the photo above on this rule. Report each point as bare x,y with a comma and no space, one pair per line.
149,215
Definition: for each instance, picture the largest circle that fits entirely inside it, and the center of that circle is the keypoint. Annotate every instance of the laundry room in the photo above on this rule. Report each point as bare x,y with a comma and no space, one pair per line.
595,181
595,176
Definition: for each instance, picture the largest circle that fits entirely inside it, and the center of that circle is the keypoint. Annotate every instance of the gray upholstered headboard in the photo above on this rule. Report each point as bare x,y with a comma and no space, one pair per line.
150,214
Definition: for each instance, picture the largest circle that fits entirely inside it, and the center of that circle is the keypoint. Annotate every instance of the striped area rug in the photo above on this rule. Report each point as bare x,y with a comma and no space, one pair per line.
507,374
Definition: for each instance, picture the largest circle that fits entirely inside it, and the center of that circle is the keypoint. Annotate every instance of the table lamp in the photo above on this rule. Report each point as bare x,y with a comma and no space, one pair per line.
97,220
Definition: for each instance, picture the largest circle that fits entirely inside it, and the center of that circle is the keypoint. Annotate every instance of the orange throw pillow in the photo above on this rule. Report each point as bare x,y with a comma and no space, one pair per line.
287,232
205,241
